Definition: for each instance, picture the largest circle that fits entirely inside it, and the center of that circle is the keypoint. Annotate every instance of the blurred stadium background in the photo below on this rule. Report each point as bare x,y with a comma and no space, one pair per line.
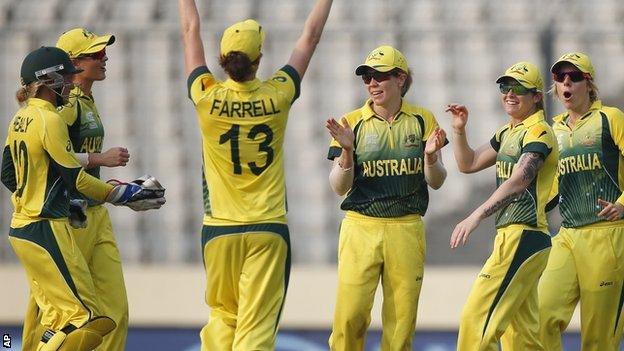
455,48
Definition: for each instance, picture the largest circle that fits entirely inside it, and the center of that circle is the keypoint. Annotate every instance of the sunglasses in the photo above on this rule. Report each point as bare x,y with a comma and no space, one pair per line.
575,76
517,89
95,56
378,76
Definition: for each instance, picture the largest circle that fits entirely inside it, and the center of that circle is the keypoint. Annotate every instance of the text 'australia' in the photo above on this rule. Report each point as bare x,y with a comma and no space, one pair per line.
383,168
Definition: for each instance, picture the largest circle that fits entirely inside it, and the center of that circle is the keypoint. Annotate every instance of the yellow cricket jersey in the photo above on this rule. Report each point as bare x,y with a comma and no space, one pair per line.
39,166
389,178
242,127
510,142
591,163
86,130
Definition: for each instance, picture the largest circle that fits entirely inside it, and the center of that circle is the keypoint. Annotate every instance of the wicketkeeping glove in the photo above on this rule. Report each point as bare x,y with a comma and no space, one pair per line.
144,193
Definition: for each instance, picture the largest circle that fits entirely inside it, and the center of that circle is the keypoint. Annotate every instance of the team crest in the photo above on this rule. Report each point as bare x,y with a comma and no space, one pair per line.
371,142
410,141
588,140
519,68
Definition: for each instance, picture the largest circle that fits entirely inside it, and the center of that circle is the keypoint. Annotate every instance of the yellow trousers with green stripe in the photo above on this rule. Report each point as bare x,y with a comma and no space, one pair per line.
586,265
99,248
58,275
370,249
503,299
247,270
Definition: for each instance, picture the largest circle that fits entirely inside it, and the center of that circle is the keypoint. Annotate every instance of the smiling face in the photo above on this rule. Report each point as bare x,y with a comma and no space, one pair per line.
94,66
518,101
573,91
384,87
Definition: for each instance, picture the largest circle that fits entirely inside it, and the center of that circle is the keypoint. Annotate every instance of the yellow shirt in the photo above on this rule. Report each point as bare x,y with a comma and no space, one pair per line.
242,127
510,142
39,166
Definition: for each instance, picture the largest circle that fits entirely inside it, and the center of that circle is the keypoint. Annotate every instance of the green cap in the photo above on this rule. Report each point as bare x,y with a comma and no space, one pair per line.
43,61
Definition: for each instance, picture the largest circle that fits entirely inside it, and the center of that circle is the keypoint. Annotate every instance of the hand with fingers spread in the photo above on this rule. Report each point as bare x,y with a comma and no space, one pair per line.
460,116
435,141
343,134
463,230
610,211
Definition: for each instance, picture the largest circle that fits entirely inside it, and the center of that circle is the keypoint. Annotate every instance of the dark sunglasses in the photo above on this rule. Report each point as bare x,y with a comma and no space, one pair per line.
575,76
378,76
95,56
517,89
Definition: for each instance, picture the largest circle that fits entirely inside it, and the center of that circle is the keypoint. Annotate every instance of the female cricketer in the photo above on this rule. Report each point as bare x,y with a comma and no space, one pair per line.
504,296
40,168
95,240
384,154
242,122
586,261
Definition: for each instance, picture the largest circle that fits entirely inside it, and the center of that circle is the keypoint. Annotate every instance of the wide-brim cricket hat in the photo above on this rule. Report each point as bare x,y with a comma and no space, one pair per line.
79,41
383,59
525,73
246,36
43,61
578,59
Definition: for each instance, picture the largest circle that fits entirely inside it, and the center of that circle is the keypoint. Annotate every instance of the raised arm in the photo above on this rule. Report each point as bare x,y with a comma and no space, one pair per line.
191,40
521,177
312,30
468,160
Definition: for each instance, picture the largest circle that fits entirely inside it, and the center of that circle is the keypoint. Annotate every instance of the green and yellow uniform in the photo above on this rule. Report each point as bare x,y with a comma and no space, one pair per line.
242,127
97,241
382,234
505,292
40,168
585,262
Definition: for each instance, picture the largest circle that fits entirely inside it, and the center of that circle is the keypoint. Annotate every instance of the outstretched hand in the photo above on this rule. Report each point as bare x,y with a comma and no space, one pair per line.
463,230
459,114
435,142
343,134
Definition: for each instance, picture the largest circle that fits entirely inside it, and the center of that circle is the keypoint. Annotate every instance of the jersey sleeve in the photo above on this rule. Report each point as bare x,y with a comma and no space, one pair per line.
429,124
56,142
497,139
198,82
539,139
287,80
553,197
68,113
7,175
616,125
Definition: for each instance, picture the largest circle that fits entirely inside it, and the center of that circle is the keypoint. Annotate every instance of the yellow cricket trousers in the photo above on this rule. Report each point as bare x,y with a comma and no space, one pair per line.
504,296
587,265
99,248
247,271
370,249
58,275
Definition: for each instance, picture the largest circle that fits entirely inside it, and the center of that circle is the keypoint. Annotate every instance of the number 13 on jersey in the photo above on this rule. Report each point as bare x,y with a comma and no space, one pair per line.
257,132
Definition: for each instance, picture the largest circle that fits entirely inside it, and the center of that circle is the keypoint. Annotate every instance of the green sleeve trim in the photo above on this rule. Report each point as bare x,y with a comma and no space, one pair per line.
495,143
538,148
334,151
294,75
196,73
69,175
552,203
8,170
